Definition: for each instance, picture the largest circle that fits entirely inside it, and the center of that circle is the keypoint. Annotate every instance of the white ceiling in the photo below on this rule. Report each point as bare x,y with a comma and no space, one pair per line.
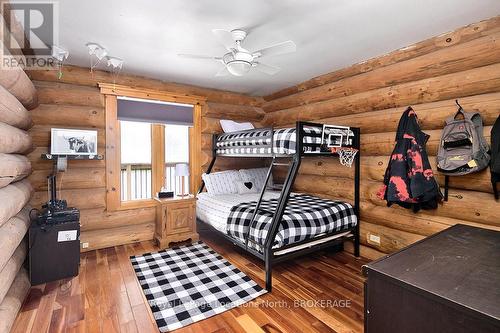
330,34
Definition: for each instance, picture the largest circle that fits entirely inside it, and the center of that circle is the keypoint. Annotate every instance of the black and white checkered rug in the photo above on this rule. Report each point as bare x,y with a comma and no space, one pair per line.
190,283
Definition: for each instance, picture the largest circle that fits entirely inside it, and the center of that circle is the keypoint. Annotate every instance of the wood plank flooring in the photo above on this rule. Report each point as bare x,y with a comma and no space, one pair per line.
322,292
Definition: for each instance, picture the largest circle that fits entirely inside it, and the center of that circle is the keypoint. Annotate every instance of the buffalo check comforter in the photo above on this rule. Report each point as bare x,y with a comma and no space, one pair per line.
305,217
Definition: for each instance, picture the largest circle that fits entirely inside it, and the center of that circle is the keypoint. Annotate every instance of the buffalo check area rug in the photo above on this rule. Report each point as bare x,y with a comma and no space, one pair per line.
190,283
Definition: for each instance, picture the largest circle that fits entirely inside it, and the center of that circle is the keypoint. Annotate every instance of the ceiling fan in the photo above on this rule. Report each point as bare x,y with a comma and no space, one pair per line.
238,61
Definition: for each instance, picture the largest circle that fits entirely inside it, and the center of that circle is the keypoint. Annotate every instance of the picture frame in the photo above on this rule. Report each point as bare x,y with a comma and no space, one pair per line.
69,141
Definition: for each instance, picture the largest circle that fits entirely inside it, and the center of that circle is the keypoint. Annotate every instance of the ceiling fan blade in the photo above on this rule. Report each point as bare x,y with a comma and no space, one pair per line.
268,69
225,38
222,72
197,56
280,48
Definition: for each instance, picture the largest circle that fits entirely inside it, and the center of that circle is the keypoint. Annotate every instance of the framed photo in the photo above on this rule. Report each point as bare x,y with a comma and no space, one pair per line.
67,141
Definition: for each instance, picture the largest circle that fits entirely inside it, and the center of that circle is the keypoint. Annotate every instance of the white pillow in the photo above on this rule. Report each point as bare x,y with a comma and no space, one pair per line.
245,187
229,126
257,174
223,182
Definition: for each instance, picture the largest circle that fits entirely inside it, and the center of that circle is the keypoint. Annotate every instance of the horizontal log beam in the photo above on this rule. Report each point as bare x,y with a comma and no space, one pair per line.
383,143
99,239
453,59
14,140
68,94
82,198
456,85
73,178
13,198
430,115
14,299
210,125
12,112
13,168
391,240
15,80
206,141
68,115
98,219
82,76
416,223
12,233
443,41
10,270
472,206
464,205
373,168
233,112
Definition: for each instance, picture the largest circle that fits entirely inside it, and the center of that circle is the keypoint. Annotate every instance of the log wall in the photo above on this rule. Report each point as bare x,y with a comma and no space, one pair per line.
17,97
75,101
429,76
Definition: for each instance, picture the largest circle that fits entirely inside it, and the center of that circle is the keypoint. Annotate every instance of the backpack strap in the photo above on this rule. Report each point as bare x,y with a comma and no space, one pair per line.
460,111
446,187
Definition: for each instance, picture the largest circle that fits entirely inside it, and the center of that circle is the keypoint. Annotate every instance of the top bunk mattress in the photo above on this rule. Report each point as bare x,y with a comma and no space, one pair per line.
284,141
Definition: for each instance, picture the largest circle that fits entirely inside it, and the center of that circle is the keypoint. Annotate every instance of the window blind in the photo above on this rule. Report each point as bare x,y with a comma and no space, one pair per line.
154,112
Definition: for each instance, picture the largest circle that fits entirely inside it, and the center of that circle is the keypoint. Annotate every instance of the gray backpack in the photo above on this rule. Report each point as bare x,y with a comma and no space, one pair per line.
463,148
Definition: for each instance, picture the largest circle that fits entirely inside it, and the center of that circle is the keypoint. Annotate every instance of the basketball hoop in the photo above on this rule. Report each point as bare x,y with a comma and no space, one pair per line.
346,155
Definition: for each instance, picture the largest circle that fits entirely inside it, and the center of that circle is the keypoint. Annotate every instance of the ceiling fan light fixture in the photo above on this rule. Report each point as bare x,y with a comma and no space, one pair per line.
238,67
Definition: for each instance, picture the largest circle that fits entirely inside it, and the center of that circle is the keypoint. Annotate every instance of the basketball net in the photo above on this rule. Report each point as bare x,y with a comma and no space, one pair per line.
346,155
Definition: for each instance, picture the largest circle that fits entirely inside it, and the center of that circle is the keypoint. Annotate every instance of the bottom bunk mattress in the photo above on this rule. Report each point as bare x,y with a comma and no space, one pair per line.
305,217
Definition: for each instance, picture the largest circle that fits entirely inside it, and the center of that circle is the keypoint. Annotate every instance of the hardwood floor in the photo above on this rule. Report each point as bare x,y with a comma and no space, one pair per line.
322,292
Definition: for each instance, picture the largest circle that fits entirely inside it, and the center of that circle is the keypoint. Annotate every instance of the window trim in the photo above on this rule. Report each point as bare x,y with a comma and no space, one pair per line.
113,144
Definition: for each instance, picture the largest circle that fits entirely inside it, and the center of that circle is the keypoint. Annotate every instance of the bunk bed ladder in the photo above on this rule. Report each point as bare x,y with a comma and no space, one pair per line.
259,201
212,162
278,214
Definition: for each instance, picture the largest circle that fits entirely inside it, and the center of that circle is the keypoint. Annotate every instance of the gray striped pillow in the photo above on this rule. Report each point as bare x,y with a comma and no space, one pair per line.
223,182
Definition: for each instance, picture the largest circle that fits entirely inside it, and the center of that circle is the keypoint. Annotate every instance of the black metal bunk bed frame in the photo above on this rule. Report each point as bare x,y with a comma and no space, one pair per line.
268,254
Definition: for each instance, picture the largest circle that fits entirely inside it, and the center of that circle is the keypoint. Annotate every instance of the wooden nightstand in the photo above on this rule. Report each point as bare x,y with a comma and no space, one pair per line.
175,220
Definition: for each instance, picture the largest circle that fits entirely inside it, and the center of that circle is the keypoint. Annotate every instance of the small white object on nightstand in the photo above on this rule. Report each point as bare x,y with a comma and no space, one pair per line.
182,170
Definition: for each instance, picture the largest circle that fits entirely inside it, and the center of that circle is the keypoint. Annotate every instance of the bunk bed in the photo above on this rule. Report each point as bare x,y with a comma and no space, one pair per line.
269,225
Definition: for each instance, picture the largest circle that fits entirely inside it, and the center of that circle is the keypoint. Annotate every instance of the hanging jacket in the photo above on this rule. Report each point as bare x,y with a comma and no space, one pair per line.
495,156
409,180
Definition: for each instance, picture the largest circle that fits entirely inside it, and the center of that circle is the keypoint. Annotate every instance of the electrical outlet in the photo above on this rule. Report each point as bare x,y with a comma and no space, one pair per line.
85,245
373,239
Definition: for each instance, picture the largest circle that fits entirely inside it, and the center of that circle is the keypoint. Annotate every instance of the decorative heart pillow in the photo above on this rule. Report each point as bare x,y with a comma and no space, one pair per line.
246,186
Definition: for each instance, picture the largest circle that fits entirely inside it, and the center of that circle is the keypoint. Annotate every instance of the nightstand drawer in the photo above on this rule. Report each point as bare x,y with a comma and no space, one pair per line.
180,218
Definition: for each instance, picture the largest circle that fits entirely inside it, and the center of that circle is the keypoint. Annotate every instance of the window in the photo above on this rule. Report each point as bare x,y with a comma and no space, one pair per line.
176,151
147,133
136,166
135,175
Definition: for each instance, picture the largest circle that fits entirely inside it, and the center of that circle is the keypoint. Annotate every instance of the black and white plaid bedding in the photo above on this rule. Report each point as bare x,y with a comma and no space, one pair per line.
258,141
305,217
